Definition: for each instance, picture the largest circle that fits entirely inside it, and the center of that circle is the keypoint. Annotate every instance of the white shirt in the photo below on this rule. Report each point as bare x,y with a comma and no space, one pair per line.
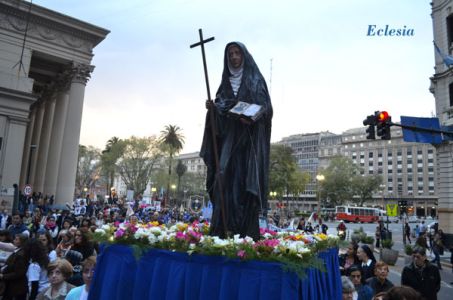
368,263
35,273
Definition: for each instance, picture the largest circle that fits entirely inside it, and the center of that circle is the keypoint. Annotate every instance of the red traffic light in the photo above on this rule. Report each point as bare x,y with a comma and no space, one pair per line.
382,116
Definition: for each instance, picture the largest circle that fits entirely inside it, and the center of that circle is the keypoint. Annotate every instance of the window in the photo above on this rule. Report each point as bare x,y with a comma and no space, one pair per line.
449,31
370,154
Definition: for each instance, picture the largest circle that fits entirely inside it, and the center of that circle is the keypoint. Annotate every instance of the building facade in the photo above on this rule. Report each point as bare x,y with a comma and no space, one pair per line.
44,68
442,89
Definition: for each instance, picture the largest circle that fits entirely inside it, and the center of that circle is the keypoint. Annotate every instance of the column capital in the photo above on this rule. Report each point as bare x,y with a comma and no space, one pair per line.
80,73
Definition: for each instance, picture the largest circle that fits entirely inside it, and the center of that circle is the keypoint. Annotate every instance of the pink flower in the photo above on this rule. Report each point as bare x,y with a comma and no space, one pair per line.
119,233
271,243
241,254
180,235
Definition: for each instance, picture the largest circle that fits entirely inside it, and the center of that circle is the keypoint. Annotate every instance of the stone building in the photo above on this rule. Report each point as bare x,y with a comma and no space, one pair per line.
44,68
442,89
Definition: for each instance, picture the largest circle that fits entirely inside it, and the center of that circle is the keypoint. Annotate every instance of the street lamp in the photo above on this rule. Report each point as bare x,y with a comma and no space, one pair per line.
173,187
320,178
382,187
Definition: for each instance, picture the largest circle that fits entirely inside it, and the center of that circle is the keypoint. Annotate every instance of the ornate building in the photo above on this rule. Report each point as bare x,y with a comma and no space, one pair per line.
44,68
442,89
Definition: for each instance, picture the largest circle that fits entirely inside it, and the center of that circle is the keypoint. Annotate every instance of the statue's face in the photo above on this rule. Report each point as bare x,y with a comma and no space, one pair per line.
235,56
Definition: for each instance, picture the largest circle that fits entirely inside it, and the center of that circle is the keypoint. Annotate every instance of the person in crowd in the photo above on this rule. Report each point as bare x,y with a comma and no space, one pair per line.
421,275
27,218
52,227
5,219
58,272
380,283
402,293
321,227
44,237
417,231
17,226
341,226
363,291
421,241
309,228
6,246
368,261
349,259
65,244
82,292
348,288
37,269
378,234
423,228
301,224
15,269
437,247
407,232
82,244
75,258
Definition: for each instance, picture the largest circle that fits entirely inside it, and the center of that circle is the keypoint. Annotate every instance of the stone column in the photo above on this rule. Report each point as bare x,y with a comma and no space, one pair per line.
34,147
71,137
44,140
26,152
56,140
445,189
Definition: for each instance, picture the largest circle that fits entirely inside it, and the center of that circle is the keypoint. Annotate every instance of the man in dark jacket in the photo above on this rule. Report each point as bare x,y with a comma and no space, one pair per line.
421,275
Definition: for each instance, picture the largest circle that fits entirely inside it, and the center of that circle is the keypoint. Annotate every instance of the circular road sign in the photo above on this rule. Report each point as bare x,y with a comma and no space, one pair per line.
27,190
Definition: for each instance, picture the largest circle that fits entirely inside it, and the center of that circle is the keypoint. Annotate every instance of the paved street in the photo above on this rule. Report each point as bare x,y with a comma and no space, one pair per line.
395,271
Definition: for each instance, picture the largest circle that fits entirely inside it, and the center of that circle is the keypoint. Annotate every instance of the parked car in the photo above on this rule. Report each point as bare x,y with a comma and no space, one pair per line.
413,219
430,226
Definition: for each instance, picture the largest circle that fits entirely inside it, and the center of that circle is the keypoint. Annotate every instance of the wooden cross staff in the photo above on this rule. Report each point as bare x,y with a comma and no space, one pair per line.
213,129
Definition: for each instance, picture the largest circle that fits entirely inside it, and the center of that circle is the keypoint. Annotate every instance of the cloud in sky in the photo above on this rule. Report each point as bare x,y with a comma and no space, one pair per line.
327,74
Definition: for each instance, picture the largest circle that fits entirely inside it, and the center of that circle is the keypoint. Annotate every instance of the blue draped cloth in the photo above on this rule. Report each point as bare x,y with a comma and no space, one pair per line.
162,274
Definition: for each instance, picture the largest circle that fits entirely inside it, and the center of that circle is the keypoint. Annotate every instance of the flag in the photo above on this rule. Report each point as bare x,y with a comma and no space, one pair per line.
448,59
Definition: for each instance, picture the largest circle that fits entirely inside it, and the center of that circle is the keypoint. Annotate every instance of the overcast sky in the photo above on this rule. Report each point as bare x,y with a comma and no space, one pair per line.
327,74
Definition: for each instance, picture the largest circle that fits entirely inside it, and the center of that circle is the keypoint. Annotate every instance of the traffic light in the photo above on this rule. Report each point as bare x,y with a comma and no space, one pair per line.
371,122
384,121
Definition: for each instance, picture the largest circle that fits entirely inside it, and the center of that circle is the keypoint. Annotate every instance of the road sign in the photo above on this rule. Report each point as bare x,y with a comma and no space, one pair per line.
27,190
392,210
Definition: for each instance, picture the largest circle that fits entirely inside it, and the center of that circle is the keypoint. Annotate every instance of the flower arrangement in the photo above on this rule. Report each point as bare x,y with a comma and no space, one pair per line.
295,250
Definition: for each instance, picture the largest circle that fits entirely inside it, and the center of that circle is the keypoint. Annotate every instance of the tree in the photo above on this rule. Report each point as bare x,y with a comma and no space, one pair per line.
338,180
364,187
88,167
171,141
285,176
137,162
110,155
180,171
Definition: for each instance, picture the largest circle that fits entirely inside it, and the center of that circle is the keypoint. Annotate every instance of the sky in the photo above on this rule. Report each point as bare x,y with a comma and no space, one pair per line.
323,72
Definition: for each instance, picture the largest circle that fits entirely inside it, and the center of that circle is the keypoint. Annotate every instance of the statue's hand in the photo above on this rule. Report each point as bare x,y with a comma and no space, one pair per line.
209,104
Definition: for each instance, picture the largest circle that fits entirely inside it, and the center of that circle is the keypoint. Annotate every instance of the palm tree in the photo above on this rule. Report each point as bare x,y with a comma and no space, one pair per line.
172,141
180,170
110,155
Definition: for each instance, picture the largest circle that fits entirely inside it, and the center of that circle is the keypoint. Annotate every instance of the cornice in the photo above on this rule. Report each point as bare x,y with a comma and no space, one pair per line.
49,25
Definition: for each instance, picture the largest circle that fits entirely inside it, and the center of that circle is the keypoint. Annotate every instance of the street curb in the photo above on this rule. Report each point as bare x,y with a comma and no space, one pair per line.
444,264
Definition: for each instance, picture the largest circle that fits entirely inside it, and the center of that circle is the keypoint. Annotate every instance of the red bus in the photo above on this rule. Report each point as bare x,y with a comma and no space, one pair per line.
357,214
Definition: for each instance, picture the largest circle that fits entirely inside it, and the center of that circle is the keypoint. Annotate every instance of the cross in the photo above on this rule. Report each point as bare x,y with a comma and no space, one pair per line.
201,43
213,130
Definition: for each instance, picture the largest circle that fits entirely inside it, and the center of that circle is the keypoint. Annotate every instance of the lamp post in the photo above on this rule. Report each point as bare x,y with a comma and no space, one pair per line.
173,187
320,178
153,195
382,186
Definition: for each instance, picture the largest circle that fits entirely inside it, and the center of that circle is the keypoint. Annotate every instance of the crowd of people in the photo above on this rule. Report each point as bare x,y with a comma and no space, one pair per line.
48,253
365,278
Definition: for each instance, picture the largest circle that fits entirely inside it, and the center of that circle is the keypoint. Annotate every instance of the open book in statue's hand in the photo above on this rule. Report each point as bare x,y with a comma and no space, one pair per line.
249,111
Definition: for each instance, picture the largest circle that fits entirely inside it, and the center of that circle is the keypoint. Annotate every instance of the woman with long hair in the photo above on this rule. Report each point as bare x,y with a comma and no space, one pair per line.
47,241
37,269
349,259
83,245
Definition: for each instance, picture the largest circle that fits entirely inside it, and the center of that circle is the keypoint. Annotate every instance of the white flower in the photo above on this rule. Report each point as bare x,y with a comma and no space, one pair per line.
218,242
237,239
101,231
156,231
105,227
141,233
152,239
